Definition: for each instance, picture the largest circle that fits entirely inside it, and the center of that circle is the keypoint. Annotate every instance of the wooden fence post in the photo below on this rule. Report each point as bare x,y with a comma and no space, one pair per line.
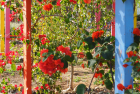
98,16
124,23
27,47
7,30
113,22
1,30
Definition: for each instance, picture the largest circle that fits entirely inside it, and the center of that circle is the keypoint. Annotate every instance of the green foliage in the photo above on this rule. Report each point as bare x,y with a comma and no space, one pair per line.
108,84
81,89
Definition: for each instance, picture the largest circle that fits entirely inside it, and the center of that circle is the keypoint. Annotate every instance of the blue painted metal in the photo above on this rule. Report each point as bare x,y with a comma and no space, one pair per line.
123,38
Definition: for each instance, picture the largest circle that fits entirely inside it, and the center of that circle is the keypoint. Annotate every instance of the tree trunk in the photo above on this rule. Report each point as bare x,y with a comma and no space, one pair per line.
71,77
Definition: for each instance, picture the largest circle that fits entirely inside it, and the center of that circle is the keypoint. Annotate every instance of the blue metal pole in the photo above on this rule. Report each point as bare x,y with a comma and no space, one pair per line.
123,38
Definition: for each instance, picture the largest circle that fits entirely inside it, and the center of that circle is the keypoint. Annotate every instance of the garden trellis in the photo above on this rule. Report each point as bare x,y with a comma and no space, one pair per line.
125,21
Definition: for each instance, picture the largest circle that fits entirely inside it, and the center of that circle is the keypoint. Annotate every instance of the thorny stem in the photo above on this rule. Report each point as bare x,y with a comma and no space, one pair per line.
93,77
111,73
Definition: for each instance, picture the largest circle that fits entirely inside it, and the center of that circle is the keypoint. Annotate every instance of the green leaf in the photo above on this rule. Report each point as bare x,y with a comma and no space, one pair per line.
75,58
91,63
65,63
34,31
1,70
132,47
108,84
21,16
102,71
67,20
79,43
37,42
81,89
68,58
85,31
97,51
89,55
90,42
123,1
27,41
110,47
13,67
129,91
46,56
17,4
106,76
107,54
54,2
40,0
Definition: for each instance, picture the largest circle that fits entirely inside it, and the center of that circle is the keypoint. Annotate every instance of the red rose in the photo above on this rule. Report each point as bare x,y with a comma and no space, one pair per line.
47,7
120,87
97,34
136,31
65,50
73,1
83,65
37,88
130,54
125,65
81,55
129,87
87,1
101,64
19,67
47,86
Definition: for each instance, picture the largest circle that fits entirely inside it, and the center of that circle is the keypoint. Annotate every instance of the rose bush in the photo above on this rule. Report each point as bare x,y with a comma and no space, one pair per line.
62,32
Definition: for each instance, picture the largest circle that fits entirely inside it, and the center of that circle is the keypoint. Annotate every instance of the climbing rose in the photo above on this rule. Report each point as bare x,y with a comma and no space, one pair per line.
41,87
87,1
83,65
73,1
2,91
3,87
101,64
128,87
97,69
47,86
43,51
19,67
81,55
65,50
47,7
58,3
15,86
2,3
97,34
64,70
41,36
120,87
20,85
37,88
3,63
136,31
98,75
125,65
130,54
44,40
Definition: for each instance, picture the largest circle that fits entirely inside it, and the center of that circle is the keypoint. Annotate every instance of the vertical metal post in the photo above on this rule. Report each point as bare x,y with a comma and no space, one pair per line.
27,47
123,38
